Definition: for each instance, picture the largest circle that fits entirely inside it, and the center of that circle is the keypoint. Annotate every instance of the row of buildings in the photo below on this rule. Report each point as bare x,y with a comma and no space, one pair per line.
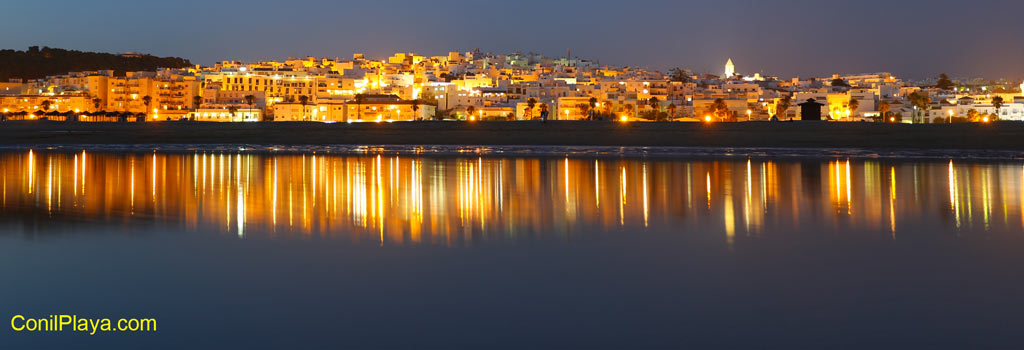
482,86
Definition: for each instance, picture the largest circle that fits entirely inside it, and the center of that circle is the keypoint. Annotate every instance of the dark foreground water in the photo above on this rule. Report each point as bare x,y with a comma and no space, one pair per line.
312,251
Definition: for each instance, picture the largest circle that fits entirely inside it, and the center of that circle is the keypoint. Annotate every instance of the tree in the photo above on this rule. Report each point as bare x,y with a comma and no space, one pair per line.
920,100
584,108
628,108
719,108
783,105
840,82
415,107
360,98
530,103
232,110
469,112
147,100
250,100
303,100
654,103
972,115
671,110
591,103
196,102
883,111
997,102
680,75
853,104
944,83
46,105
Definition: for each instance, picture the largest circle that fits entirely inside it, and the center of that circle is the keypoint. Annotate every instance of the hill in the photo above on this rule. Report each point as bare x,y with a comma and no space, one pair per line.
37,63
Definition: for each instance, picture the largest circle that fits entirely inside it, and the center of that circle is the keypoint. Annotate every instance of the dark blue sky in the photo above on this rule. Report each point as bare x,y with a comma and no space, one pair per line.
912,38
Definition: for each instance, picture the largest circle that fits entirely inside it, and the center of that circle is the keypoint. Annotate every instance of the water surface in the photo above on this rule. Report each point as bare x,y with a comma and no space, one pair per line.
305,250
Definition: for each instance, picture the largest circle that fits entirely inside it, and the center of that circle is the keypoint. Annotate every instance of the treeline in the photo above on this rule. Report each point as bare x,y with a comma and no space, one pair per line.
36,63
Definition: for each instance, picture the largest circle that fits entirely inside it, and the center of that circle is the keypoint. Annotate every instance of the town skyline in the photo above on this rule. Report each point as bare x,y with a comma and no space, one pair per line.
568,54
476,85
915,39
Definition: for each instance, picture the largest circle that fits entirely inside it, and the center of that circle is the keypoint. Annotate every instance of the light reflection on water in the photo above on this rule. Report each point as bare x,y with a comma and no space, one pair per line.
395,200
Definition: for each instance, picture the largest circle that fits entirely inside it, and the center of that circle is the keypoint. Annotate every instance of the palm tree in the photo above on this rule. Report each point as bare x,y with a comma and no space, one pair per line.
543,110
46,105
196,102
360,98
853,104
147,100
920,100
653,102
96,104
997,102
250,100
232,110
529,107
469,112
883,111
303,100
629,109
591,103
671,110
415,107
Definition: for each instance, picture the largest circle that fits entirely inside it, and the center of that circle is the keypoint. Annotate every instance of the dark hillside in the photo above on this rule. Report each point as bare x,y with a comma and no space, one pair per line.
37,63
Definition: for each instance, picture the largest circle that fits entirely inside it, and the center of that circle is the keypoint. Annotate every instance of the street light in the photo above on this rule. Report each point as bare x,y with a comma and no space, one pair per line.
707,118
566,114
748,115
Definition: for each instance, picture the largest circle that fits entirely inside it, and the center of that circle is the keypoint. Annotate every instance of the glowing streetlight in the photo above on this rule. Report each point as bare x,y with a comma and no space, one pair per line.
985,119
951,116
748,114
566,114
707,118
623,118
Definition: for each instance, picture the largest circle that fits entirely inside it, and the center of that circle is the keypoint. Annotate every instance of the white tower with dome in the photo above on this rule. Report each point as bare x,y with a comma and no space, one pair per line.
730,69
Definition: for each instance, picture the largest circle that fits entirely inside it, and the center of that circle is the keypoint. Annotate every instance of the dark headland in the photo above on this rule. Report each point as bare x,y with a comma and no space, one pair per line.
994,136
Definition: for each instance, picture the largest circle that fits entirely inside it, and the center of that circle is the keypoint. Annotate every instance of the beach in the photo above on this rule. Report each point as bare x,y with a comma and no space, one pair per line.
987,136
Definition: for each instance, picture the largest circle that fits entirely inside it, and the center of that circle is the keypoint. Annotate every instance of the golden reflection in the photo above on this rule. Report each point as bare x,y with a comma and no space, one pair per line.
454,201
892,201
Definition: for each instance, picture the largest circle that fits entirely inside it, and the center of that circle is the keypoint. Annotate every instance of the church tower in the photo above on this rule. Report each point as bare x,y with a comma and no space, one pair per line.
730,69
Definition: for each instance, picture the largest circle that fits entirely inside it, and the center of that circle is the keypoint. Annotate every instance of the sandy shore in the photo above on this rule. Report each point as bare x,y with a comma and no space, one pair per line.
1003,135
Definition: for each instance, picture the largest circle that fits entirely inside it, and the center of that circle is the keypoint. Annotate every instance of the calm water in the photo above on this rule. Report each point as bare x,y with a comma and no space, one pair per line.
228,249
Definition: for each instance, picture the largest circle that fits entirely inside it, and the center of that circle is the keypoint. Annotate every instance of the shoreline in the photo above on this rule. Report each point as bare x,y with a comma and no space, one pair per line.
541,151
1003,136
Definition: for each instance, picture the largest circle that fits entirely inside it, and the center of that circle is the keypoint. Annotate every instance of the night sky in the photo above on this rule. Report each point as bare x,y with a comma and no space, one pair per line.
911,38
